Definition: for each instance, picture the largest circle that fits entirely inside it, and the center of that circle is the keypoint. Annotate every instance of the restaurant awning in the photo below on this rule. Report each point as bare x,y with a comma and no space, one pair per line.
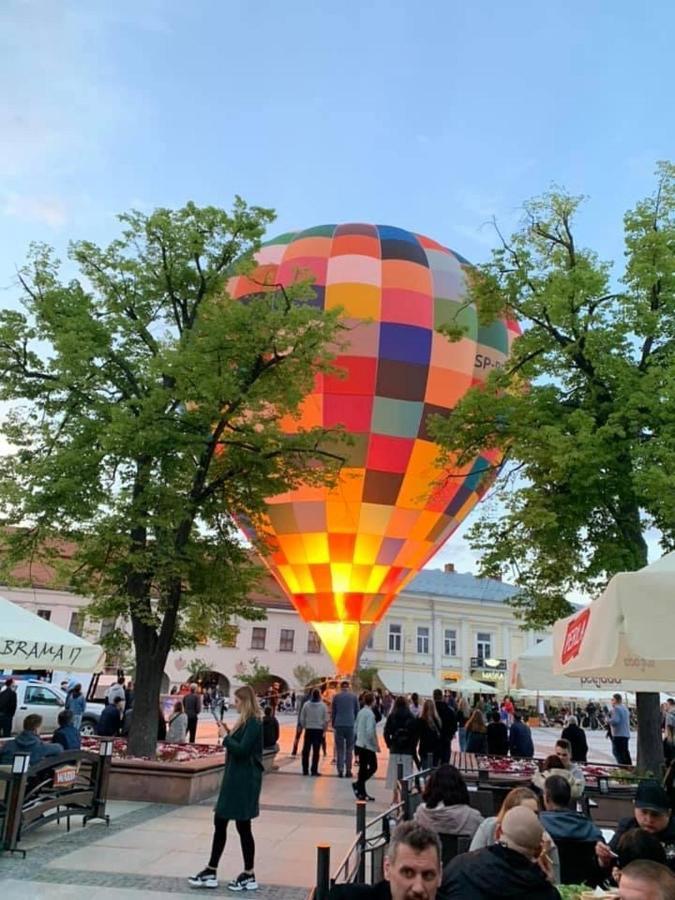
29,642
409,681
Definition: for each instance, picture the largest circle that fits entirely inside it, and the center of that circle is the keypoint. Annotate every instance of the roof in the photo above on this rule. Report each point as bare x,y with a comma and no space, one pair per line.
461,586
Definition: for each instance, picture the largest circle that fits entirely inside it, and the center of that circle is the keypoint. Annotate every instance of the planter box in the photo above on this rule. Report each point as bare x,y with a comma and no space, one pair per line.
180,783
165,782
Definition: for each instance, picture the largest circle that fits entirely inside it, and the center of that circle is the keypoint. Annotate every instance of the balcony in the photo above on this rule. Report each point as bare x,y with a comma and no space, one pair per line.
489,664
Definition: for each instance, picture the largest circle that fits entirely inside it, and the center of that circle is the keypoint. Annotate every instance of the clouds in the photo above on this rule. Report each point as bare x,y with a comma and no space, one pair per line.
45,210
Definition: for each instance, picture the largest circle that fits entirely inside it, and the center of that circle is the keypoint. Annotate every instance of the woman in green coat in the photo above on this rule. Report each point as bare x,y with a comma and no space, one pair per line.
239,791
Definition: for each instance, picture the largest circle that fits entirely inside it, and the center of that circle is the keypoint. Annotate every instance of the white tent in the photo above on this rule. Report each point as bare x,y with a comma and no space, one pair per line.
533,671
627,633
29,642
409,681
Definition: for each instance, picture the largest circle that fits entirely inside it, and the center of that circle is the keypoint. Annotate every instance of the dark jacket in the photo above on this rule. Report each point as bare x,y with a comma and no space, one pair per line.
577,738
68,737
161,727
497,739
192,704
379,891
448,721
666,837
493,873
400,732
242,778
520,741
110,722
8,702
476,742
566,825
28,742
429,741
270,731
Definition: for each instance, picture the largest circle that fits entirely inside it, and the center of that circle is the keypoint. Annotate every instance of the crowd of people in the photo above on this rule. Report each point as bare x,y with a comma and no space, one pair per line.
536,841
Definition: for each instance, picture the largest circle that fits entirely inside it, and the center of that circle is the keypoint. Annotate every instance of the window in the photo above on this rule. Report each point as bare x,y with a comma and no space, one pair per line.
107,627
41,696
258,637
45,614
370,643
422,639
286,639
76,622
313,642
483,645
395,638
450,642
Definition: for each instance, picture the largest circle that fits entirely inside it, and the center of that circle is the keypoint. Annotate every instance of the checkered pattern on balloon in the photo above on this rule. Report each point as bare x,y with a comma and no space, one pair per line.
343,554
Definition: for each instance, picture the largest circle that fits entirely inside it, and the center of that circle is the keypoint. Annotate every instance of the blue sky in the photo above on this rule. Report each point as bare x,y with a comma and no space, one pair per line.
433,116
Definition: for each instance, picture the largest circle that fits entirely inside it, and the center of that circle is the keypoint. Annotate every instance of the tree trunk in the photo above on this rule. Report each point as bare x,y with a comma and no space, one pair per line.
150,662
650,741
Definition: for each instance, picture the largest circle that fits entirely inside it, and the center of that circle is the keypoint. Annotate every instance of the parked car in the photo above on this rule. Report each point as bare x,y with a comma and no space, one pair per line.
47,700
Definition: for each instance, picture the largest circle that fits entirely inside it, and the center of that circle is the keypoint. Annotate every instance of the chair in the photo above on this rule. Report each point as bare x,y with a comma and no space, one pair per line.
578,863
483,801
452,845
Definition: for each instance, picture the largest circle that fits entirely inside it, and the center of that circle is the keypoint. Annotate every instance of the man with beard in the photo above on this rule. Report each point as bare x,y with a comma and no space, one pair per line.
412,869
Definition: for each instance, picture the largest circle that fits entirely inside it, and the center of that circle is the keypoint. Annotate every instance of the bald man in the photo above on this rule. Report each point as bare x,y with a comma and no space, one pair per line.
516,866
646,880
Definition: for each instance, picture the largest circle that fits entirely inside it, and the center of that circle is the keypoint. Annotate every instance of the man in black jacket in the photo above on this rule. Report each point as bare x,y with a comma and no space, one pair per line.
497,737
7,707
513,867
412,869
448,724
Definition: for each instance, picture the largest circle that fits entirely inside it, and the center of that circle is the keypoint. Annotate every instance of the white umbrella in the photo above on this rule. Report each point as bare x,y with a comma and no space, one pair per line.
29,642
469,686
533,671
626,633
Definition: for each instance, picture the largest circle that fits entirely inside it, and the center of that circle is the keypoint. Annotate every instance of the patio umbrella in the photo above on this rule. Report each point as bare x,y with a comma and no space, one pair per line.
533,671
469,686
626,633
29,642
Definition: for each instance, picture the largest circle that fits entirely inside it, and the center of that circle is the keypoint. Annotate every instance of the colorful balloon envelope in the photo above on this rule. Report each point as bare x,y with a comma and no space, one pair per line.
343,554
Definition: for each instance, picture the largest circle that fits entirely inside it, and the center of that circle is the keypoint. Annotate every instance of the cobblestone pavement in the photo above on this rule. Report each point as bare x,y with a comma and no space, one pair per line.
33,878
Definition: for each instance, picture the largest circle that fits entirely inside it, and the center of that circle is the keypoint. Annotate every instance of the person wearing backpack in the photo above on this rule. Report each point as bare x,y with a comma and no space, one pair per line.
400,736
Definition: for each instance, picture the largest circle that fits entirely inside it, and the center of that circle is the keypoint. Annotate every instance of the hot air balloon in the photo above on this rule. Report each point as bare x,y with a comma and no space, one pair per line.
343,554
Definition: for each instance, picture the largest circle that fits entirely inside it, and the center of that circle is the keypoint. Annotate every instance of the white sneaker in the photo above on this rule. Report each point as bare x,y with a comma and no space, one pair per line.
243,882
204,879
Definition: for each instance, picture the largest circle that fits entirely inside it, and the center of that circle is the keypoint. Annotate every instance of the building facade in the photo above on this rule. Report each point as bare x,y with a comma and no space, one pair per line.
444,626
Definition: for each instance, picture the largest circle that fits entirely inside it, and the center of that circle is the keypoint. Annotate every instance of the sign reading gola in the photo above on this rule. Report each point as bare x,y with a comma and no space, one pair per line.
574,636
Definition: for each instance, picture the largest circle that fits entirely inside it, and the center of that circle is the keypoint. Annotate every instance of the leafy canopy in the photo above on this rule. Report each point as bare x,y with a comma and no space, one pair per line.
146,411
584,408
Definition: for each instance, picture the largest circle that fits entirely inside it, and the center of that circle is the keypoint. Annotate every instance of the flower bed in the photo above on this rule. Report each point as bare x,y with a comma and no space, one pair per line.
180,773
166,752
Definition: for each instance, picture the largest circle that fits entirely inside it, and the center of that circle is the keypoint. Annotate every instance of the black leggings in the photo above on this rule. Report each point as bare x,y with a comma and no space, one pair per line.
220,836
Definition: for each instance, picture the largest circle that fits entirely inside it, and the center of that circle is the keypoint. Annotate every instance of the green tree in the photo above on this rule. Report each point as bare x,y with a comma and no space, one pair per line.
198,668
145,412
584,409
364,678
258,676
305,675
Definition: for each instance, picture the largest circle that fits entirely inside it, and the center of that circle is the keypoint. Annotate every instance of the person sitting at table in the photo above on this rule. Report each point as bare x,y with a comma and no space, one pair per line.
553,765
28,741
647,880
652,814
497,736
487,830
563,750
637,844
110,721
561,822
517,865
66,734
445,807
